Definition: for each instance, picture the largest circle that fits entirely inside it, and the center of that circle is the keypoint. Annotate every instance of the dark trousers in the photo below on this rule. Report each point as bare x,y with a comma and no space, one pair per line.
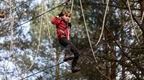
69,46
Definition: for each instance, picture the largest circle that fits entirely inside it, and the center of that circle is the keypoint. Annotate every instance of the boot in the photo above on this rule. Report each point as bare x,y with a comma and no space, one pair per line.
67,58
75,69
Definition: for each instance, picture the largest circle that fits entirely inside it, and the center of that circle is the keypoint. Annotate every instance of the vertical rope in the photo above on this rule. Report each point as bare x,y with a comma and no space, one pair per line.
87,30
103,24
11,21
142,17
11,27
49,34
89,35
39,41
72,5
40,32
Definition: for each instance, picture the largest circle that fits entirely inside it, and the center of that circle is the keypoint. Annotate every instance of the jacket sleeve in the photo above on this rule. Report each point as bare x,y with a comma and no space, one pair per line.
55,20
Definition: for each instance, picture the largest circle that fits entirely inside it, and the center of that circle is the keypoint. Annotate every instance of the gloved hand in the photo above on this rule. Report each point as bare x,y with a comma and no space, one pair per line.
69,24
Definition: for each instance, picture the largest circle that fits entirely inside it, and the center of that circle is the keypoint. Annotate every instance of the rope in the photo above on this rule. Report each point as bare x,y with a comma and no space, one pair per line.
142,69
71,10
140,26
103,24
97,67
132,19
11,19
87,30
139,67
38,46
11,41
40,32
72,6
11,27
41,14
142,17
42,70
49,34
48,67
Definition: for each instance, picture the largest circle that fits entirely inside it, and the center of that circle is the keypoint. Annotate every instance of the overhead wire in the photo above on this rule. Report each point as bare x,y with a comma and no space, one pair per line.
41,14
42,70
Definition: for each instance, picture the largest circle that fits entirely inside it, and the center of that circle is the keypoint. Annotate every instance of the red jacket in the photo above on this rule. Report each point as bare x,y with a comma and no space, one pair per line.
62,28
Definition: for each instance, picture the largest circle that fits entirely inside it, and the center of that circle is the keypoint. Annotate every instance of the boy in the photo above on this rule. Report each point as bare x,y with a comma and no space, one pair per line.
63,34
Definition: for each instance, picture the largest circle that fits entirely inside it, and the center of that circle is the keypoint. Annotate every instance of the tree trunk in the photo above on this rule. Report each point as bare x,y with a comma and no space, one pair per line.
106,51
57,73
123,59
113,65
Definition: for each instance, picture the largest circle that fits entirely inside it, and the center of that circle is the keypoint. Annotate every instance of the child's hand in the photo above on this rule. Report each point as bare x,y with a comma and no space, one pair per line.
69,24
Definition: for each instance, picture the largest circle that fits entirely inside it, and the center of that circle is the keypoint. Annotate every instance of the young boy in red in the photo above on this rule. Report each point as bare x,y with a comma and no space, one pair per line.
63,34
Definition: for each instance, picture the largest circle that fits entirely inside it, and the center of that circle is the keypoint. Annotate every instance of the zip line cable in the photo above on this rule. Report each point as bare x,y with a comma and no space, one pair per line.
41,14
42,70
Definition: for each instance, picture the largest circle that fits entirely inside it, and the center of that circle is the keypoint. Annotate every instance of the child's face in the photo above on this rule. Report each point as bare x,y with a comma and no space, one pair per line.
66,18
